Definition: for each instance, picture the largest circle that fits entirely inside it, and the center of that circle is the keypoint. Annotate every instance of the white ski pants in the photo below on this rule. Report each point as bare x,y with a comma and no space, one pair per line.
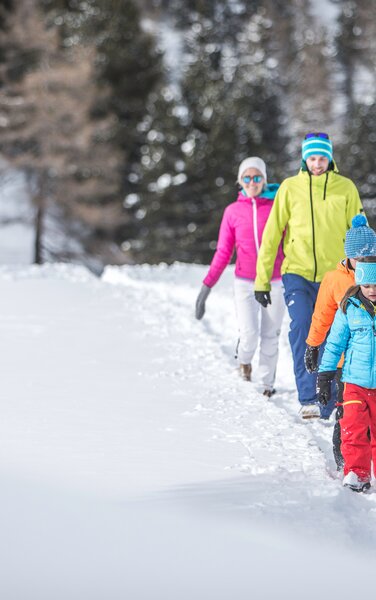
259,325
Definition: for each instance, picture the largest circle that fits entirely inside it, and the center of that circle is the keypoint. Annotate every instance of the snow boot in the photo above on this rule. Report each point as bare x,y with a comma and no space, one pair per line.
355,483
245,372
310,411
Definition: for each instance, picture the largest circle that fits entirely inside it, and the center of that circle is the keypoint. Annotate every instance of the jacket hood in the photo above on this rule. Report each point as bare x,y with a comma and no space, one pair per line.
269,192
344,266
355,301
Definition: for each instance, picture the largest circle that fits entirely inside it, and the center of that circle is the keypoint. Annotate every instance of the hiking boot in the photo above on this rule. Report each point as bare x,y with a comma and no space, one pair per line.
268,392
356,483
310,411
245,372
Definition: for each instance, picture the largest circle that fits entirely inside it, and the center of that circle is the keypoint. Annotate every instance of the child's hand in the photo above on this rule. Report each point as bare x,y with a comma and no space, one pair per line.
311,358
323,386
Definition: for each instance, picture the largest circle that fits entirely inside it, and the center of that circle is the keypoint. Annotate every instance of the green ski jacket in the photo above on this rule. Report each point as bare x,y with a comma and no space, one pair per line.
312,215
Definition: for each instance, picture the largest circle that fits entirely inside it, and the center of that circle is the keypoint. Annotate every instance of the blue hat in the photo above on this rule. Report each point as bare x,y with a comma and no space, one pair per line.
365,273
317,144
360,239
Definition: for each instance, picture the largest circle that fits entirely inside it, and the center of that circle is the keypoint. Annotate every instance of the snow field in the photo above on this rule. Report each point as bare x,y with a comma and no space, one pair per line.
135,463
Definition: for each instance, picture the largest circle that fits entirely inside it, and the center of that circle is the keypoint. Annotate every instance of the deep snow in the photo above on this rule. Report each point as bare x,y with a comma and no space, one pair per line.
136,464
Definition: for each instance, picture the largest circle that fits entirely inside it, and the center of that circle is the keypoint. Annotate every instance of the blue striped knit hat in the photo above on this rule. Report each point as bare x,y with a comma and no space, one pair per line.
360,239
365,273
317,144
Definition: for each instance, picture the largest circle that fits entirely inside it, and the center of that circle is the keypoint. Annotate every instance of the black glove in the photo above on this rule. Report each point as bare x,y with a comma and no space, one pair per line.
263,298
200,302
339,412
323,386
311,358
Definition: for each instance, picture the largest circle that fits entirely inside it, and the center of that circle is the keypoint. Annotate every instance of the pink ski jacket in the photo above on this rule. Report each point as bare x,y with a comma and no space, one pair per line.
241,228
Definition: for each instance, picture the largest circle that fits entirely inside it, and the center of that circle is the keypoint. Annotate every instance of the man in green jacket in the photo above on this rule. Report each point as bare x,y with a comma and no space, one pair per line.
311,212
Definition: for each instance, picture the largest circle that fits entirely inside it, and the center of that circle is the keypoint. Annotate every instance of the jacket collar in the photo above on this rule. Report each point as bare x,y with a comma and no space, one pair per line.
361,302
367,304
344,265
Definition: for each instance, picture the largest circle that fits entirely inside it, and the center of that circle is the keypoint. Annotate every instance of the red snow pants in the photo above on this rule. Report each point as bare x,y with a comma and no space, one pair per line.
359,414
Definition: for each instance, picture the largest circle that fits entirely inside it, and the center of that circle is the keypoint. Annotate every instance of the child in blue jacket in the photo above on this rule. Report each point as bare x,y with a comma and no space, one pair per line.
354,333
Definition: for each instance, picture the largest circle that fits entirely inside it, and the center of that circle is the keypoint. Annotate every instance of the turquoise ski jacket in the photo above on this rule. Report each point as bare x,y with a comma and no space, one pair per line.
355,334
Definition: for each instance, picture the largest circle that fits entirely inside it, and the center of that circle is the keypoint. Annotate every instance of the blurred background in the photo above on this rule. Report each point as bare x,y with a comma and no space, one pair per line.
122,122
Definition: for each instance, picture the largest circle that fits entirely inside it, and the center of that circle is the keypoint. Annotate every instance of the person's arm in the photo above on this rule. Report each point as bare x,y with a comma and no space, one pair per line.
354,204
221,258
224,251
322,319
337,342
324,313
271,238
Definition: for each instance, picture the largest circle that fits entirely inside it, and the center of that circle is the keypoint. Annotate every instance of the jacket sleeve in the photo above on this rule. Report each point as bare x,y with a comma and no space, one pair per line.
271,238
324,313
337,342
354,204
224,251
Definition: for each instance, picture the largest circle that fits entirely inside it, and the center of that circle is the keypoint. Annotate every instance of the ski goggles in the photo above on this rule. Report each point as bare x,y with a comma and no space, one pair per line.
254,178
319,134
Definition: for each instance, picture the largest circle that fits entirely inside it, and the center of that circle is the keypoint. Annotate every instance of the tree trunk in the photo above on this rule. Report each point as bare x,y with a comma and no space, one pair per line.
38,233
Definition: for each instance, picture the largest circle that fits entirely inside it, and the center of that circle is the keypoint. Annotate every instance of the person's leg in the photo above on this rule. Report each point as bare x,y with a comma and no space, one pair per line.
356,446
337,427
247,310
326,411
300,298
372,432
271,321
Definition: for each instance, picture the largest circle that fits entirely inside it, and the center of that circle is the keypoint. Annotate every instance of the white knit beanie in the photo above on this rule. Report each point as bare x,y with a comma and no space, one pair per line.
248,163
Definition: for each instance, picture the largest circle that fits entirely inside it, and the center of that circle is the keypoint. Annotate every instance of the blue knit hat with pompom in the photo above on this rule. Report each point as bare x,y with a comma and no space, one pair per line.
360,239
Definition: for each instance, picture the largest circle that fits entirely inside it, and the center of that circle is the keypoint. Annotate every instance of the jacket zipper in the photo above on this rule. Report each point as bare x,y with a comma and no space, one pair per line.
326,183
313,229
373,345
373,351
255,231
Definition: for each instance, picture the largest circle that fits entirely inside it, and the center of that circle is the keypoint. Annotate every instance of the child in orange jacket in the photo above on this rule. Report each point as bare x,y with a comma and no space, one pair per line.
360,241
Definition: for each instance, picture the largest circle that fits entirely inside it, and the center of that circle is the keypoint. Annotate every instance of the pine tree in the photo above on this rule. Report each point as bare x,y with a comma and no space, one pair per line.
356,42
74,129
227,111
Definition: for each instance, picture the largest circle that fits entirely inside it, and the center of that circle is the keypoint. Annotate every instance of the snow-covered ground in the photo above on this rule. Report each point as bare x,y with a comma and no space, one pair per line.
136,464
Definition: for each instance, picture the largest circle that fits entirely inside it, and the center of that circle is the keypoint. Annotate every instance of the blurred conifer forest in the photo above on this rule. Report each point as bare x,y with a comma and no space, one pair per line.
128,118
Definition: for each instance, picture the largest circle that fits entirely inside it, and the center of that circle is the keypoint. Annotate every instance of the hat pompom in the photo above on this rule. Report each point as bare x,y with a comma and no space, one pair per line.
359,221
360,239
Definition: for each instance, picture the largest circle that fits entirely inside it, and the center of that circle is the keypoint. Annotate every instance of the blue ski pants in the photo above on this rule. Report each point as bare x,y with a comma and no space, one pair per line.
300,297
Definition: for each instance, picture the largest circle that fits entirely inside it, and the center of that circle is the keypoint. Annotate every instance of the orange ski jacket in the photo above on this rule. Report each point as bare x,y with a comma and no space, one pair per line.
332,289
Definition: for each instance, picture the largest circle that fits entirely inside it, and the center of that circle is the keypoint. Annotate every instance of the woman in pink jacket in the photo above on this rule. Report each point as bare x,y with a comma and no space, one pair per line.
241,229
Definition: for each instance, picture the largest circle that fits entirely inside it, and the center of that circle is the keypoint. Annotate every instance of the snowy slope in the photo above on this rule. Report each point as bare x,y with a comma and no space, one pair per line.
136,464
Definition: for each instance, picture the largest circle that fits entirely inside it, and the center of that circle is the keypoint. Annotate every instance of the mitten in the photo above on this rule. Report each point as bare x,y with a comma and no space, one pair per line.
323,386
200,302
263,298
311,358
